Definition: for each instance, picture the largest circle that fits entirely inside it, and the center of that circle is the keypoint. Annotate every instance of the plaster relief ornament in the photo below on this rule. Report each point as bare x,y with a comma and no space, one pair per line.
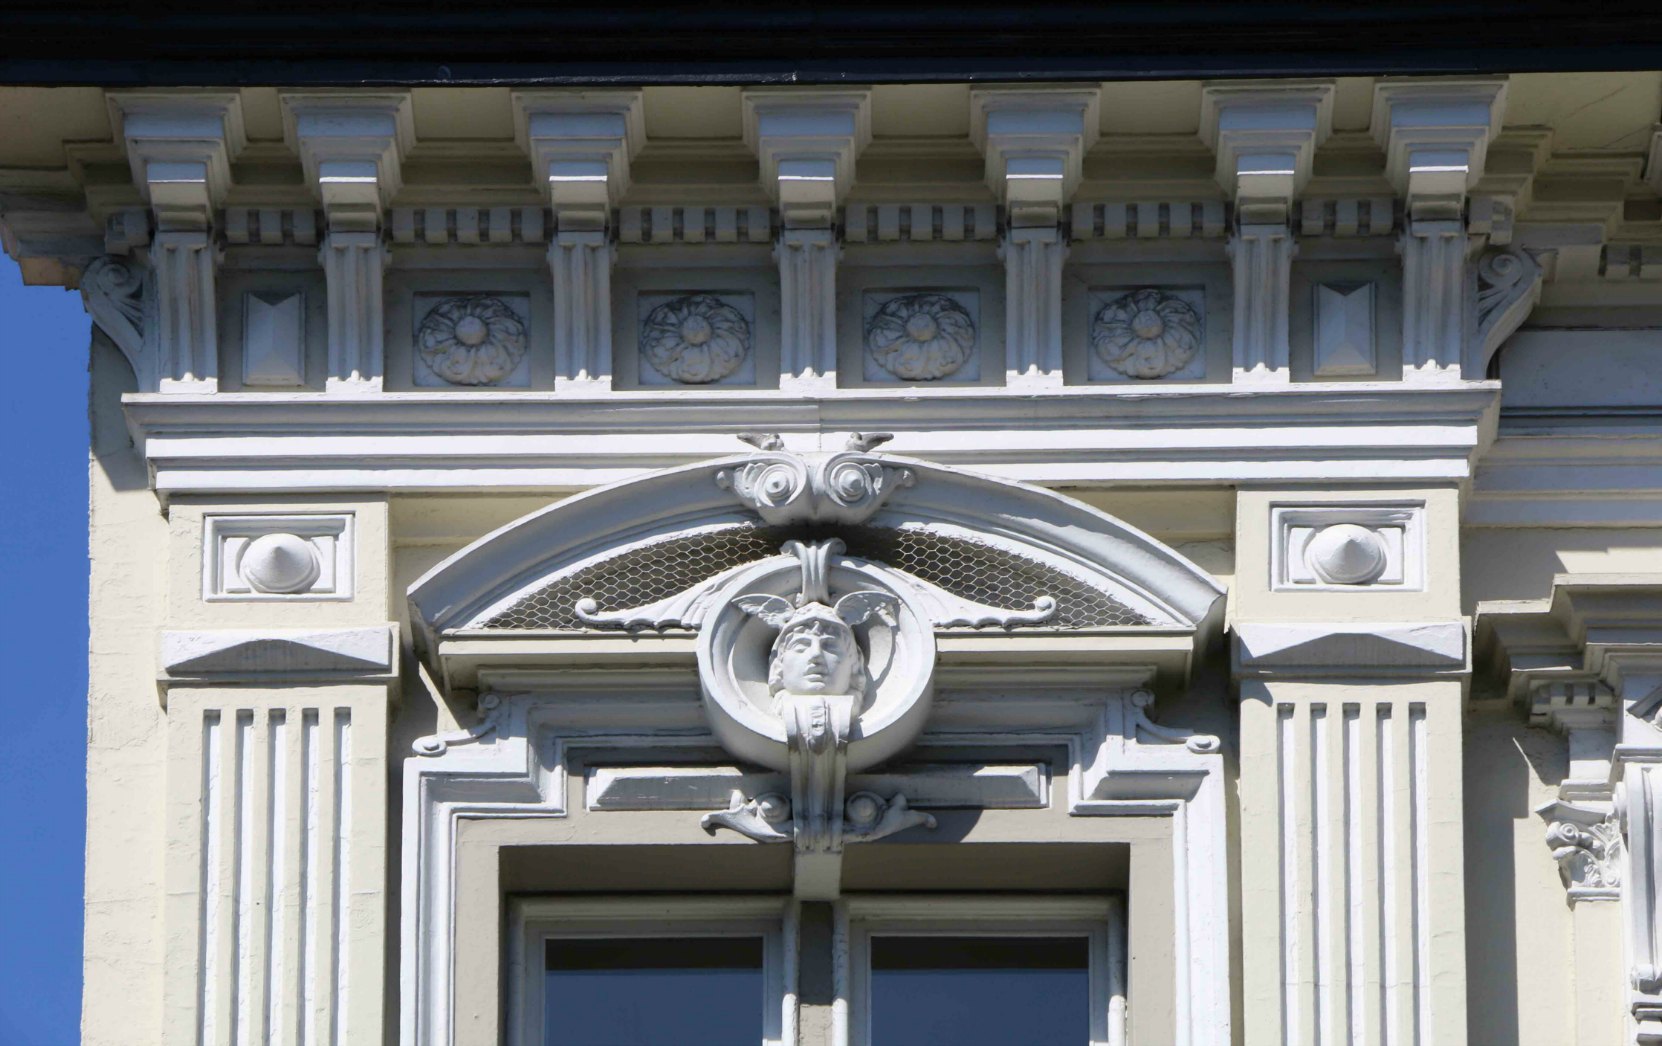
847,487
1346,554
833,698
473,340
921,337
695,340
1589,855
280,563
1146,334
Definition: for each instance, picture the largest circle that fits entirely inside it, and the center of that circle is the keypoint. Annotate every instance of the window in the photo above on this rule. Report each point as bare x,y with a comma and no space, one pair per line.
649,972
986,971
653,991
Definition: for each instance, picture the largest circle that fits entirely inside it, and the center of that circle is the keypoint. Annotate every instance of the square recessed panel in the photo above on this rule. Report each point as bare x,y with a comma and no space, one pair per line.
1348,547
1344,344
274,338
693,338
277,558
474,339
1146,334
921,335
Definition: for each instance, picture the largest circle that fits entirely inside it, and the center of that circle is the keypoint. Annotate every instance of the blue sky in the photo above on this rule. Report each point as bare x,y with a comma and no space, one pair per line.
44,334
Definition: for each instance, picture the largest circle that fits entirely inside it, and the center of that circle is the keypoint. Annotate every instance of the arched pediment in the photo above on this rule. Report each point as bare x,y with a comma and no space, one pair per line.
640,555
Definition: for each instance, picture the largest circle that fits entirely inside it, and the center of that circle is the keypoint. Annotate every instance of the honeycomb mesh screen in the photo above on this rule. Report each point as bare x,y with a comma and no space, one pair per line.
967,568
641,576
991,575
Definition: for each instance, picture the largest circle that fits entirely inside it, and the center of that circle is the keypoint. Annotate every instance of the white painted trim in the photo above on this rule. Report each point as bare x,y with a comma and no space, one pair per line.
1121,764
1100,919
1335,433
533,921
330,534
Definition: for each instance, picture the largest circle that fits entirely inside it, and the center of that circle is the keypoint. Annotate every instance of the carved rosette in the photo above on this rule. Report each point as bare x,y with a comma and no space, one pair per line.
473,340
695,339
921,337
1146,334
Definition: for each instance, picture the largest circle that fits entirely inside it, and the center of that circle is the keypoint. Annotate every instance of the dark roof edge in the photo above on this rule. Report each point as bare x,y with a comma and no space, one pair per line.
495,42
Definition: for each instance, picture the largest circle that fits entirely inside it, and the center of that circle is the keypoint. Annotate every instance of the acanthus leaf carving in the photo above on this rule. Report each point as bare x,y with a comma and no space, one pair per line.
766,818
1506,286
1586,841
113,289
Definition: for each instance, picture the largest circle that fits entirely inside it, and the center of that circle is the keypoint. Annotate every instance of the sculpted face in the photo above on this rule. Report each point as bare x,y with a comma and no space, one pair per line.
816,657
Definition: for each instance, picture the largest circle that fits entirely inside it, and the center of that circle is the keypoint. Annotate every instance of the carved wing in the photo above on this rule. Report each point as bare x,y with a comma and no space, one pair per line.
775,610
857,606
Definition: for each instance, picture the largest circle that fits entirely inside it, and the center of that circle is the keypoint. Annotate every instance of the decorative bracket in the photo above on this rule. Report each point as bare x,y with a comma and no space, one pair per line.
846,487
1586,841
1506,286
491,714
113,290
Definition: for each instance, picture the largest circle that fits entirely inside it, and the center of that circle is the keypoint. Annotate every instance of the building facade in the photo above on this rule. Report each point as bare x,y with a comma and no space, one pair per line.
1195,545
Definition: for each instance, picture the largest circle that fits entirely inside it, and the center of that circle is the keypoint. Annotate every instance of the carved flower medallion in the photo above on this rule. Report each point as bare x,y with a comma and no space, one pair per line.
695,339
1146,334
473,340
921,337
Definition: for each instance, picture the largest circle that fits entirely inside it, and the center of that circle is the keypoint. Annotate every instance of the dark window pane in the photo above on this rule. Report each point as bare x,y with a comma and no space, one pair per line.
980,991
696,991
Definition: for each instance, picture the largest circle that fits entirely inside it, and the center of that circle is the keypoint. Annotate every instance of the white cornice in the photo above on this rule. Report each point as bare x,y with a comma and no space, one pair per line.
180,147
352,147
1265,136
1035,139
807,142
1332,434
1436,135
581,144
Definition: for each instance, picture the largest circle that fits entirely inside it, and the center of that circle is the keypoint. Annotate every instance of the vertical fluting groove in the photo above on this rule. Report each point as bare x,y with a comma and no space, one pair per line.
324,933
243,863
310,859
1287,826
256,934
808,292
276,818
1355,971
224,943
1321,908
1368,1013
343,869
1335,824
289,989
208,935
1422,873
205,309
1391,1033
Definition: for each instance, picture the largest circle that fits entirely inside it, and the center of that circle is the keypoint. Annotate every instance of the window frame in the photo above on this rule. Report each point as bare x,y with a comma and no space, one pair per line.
534,921
1101,919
